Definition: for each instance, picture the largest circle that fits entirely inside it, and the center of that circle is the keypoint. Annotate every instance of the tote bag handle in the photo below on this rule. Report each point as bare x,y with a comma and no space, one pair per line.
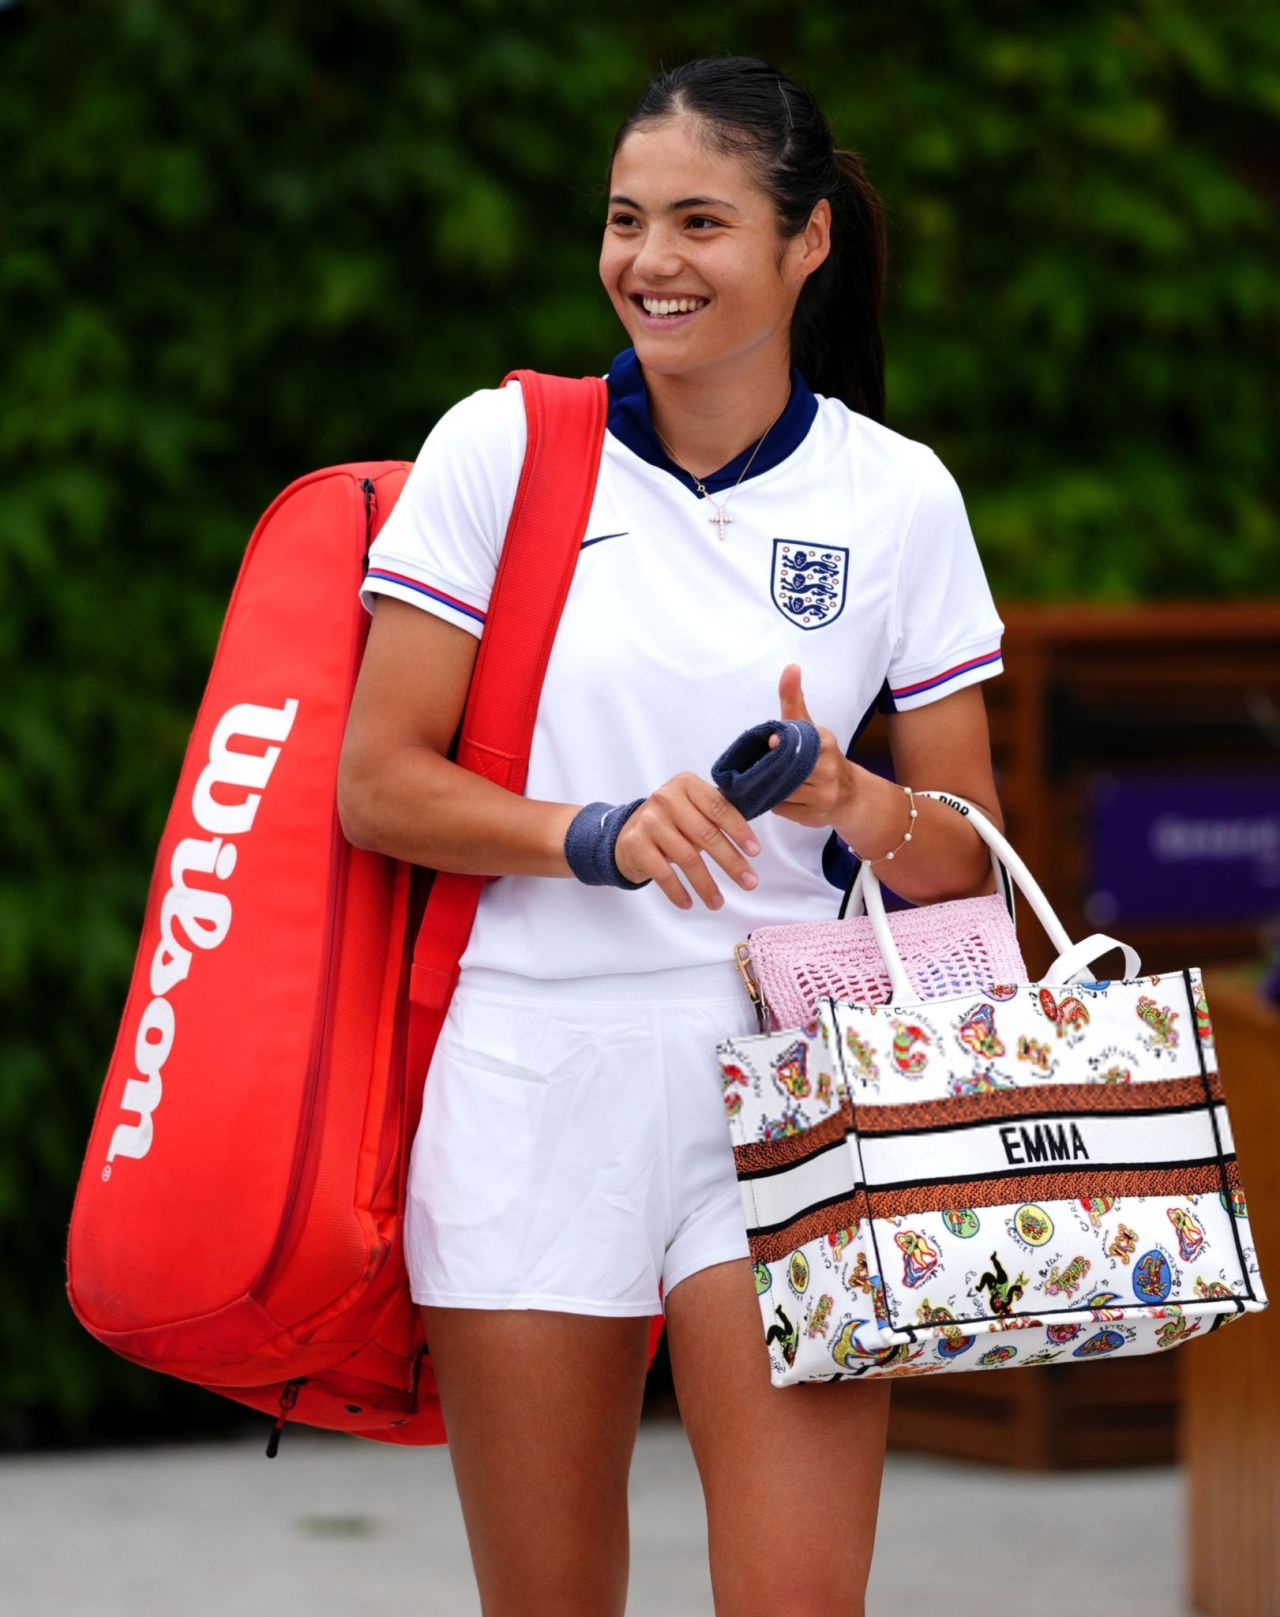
1074,959
855,903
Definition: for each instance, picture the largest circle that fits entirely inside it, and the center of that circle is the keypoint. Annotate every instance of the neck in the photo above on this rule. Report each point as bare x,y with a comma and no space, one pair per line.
710,415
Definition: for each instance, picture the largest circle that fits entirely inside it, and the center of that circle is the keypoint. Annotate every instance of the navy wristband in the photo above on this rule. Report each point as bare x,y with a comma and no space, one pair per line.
755,777
590,840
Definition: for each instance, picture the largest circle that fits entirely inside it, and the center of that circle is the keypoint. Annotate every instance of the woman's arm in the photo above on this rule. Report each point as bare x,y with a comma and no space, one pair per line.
943,746
398,792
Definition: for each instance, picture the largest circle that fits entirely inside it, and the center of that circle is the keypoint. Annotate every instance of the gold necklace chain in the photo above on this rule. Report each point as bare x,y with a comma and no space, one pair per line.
720,518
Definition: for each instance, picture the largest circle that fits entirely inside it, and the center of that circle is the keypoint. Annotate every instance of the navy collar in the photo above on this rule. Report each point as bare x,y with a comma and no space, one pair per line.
631,423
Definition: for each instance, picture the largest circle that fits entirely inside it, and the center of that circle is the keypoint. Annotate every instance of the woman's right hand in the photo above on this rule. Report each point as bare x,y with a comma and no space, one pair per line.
674,829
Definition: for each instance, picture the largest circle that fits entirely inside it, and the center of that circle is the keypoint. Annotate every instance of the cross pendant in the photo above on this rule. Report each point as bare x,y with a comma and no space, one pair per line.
722,519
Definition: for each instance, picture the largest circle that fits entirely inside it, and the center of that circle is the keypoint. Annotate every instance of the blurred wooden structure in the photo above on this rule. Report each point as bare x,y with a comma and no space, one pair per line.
1090,690
1230,1389
1058,1418
1087,691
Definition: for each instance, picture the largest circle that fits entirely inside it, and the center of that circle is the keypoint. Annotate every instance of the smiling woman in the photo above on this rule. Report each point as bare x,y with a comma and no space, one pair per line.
572,1170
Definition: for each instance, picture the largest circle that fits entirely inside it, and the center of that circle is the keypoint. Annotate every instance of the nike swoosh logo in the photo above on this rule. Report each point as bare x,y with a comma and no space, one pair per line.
600,537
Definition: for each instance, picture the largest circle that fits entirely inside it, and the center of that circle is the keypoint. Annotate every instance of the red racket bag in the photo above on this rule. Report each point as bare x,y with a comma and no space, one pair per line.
238,1217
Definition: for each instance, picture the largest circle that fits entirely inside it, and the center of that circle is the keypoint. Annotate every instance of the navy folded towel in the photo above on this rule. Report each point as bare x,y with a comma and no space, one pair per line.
756,777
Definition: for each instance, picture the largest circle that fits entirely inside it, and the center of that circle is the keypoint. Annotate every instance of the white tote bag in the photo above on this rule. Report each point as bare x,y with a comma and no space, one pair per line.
1038,1173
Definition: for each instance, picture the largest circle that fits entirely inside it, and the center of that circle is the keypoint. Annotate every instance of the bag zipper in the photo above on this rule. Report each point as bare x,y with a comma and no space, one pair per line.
319,1049
340,850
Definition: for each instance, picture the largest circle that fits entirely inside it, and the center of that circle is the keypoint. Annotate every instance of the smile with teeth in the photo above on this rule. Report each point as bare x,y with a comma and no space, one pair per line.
670,306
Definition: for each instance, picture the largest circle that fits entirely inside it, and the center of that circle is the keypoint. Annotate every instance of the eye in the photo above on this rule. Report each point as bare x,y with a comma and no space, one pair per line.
623,219
702,219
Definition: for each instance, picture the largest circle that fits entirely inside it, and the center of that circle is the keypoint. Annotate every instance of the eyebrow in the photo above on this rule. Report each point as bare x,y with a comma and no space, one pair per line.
674,207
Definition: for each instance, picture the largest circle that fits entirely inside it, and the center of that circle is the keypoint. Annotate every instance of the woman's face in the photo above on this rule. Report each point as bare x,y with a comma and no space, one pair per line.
690,226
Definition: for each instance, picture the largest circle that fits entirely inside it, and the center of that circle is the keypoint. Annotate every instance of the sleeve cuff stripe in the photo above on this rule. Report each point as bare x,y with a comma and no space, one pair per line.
426,589
984,661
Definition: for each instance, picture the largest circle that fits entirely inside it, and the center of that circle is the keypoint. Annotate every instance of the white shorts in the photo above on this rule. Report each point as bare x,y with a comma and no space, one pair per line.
573,1152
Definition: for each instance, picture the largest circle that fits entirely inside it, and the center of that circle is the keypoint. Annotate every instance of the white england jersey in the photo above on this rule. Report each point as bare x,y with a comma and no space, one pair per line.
849,553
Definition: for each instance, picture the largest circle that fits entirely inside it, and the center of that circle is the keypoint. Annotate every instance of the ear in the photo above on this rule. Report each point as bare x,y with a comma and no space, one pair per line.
816,237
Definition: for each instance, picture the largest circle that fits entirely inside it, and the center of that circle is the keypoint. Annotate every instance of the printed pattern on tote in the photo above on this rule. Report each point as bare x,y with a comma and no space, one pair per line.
1024,1177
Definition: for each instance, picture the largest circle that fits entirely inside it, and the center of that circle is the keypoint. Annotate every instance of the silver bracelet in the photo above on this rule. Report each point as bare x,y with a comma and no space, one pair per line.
907,838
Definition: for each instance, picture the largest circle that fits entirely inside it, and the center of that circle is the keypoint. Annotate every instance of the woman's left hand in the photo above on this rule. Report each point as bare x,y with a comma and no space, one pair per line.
827,795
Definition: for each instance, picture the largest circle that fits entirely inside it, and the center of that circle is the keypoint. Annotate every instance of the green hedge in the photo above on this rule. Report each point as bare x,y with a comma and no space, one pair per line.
239,242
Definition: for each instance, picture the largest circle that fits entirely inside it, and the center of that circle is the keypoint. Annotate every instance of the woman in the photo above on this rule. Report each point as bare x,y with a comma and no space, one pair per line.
759,545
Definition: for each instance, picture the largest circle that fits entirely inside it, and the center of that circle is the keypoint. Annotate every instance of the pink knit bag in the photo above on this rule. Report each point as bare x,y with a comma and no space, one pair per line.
963,945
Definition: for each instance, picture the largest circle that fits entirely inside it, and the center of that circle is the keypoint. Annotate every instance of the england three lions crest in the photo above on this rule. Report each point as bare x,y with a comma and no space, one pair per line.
809,581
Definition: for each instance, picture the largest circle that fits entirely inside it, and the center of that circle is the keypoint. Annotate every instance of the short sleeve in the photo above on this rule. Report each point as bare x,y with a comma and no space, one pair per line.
440,545
947,630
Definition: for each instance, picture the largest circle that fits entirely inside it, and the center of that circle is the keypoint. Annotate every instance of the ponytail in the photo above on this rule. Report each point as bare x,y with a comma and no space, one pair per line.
836,341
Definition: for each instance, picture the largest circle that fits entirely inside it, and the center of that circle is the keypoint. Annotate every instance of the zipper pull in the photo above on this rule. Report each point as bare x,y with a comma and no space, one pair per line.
370,515
370,491
288,1398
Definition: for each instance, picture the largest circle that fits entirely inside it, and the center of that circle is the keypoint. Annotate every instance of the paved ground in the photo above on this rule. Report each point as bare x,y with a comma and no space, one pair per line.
339,1528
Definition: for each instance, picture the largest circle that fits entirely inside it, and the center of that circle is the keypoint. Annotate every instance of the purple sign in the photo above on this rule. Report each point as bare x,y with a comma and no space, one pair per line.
1184,848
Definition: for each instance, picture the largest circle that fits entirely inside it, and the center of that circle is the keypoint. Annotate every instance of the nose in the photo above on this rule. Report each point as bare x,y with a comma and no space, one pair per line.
658,257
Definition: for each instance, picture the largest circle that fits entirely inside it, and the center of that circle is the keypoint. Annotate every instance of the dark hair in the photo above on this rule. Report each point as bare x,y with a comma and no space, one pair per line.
751,110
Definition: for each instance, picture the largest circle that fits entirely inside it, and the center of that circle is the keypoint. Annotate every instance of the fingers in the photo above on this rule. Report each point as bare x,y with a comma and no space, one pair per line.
675,829
791,703
716,827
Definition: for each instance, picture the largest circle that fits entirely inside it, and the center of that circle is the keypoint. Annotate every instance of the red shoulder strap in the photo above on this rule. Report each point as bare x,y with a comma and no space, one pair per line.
566,421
